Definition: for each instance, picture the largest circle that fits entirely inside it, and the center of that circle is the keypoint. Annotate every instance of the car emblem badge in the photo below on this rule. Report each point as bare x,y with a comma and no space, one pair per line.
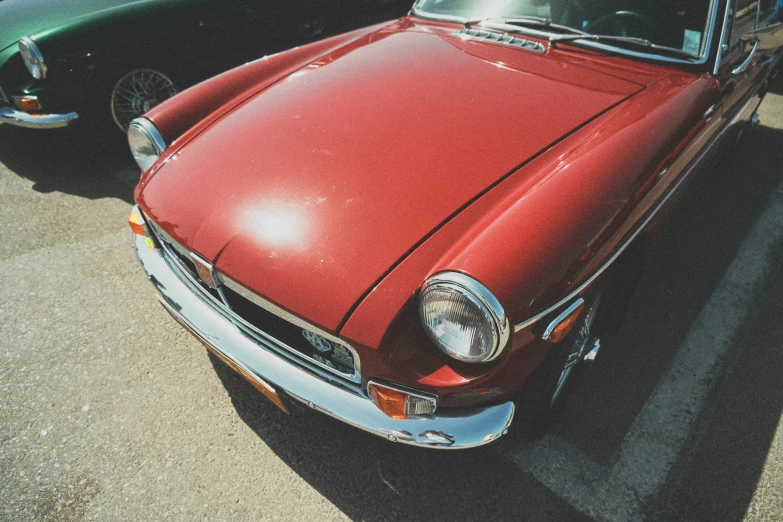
205,270
320,343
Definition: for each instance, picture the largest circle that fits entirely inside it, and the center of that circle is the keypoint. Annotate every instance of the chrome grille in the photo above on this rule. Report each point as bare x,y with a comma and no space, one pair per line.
502,38
179,256
319,347
264,321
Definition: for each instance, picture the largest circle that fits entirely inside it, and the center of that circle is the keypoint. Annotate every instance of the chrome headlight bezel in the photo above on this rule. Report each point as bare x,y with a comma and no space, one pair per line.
484,302
147,134
32,58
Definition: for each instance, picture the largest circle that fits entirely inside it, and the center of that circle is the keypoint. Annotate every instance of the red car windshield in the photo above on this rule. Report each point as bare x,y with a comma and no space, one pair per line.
677,24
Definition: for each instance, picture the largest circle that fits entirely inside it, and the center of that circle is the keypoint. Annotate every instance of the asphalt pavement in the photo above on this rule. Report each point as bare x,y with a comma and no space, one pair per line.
109,410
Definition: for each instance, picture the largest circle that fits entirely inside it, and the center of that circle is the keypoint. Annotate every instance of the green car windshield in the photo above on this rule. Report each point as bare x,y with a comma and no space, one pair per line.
681,25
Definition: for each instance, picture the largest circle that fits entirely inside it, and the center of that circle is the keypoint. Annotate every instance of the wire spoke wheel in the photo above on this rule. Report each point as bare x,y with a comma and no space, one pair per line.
137,92
574,357
541,399
577,351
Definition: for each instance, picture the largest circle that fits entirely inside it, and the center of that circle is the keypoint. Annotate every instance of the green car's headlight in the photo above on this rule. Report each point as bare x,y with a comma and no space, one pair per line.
32,58
463,318
145,142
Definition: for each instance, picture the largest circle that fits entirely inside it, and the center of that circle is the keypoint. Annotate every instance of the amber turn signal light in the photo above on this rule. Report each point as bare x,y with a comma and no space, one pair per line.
400,404
564,323
139,226
28,103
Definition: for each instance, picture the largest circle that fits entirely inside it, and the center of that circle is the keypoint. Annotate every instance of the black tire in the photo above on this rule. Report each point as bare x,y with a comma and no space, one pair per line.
607,306
535,411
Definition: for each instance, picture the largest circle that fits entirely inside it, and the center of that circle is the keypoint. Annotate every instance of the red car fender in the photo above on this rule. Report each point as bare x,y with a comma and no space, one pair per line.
539,235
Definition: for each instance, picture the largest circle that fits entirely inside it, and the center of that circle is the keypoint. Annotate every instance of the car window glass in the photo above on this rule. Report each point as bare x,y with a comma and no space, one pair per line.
769,13
742,21
681,24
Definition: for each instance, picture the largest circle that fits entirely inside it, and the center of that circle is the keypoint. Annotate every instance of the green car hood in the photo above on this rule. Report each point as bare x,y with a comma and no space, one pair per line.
20,18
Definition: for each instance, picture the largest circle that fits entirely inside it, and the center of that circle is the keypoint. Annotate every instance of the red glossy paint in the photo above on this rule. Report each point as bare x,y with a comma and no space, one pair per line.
352,171
289,193
204,102
578,196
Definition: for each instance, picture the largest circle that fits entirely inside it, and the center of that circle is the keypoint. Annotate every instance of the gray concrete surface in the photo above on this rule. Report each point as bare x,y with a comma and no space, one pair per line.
110,411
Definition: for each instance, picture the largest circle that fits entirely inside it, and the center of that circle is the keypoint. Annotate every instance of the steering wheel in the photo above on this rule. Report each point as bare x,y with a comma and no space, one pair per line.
626,23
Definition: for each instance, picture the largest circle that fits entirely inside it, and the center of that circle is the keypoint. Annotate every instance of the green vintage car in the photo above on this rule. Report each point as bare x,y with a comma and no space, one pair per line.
108,61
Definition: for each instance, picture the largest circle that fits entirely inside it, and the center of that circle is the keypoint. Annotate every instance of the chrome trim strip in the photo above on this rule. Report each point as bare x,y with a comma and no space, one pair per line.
170,243
281,348
637,54
741,68
560,318
501,38
723,35
462,428
485,297
30,121
166,236
291,318
176,264
689,170
294,356
439,17
287,351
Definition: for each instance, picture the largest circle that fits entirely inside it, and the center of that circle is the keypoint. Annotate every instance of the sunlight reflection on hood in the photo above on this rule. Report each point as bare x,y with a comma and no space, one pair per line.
276,223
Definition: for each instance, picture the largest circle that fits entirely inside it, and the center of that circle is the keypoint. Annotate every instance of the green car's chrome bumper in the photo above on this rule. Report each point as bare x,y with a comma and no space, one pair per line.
36,121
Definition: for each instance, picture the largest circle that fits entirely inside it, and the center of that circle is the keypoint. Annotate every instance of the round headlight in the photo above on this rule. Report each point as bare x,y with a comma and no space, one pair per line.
463,318
32,58
145,142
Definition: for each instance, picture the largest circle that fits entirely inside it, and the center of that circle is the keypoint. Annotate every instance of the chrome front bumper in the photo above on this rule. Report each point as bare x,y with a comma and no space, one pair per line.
36,121
450,429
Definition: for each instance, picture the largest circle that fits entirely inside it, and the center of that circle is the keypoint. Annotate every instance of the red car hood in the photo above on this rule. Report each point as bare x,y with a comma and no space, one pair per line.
311,191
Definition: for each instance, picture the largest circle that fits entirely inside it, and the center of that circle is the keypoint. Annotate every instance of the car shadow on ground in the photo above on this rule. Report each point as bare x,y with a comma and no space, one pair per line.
68,161
371,479
777,84
681,271
722,475
719,469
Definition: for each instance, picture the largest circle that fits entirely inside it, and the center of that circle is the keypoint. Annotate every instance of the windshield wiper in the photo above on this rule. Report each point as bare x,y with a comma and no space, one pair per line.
640,42
536,22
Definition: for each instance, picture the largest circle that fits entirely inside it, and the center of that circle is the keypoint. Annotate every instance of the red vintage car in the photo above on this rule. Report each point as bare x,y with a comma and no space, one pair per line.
421,227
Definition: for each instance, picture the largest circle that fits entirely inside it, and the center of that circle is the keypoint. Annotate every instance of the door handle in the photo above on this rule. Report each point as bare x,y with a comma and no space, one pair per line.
744,65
